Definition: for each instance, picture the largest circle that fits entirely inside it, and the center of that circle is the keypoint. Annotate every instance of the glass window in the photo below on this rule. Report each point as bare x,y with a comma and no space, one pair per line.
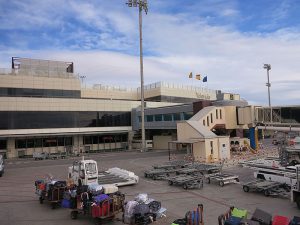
187,115
91,168
87,140
38,142
3,144
68,141
217,114
60,141
211,147
207,119
158,117
49,142
167,117
149,118
20,143
203,122
176,116
30,143
220,114
95,140
211,118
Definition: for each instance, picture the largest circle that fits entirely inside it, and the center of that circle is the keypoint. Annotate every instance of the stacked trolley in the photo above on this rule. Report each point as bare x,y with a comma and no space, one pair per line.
186,181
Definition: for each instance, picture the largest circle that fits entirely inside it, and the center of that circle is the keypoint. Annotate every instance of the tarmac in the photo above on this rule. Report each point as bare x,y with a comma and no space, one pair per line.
20,206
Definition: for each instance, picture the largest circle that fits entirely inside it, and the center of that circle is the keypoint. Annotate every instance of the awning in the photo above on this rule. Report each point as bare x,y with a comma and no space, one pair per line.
188,141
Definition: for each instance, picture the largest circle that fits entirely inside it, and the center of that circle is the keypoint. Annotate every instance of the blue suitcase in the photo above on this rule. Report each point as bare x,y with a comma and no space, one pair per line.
295,221
233,221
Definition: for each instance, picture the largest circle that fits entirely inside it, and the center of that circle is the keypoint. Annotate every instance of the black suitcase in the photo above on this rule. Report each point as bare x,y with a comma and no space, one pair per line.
249,222
295,221
262,217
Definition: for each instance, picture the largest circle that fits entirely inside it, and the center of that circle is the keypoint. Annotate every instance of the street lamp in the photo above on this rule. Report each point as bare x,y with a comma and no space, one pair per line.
142,5
268,68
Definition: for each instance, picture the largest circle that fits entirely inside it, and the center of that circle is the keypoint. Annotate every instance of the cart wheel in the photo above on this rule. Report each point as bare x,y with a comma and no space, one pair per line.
246,188
221,183
207,180
267,193
41,200
298,201
53,205
145,175
177,173
167,175
170,182
237,180
154,177
74,215
185,186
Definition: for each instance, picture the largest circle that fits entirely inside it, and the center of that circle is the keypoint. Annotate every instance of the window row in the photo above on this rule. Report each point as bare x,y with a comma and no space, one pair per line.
40,120
30,92
43,142
167,117
210,118
102,139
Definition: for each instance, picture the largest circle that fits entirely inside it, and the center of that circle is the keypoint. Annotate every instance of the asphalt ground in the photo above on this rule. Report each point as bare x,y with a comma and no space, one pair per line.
20,206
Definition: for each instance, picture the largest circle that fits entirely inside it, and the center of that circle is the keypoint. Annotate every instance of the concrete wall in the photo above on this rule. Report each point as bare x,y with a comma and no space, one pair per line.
39,82
185,132
199,151
161,142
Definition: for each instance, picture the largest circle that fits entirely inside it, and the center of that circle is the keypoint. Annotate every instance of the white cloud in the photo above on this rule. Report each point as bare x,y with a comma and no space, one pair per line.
176,44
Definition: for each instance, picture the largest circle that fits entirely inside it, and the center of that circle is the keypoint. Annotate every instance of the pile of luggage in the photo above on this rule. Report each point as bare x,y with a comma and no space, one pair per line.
51,190
237,216
142,210
194,217
94,200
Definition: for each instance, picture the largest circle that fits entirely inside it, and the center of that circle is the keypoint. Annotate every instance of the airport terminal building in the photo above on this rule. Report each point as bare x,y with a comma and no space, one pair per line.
45,108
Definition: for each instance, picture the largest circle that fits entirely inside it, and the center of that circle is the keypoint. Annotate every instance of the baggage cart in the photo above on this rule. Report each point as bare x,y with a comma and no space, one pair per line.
159,174
264,218
53,194
186,181
172,165
267,187
105,211
221,178
199,168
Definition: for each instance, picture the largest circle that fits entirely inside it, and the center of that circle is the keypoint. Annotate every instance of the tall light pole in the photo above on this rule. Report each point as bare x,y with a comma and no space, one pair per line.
142,5
268,68
82,78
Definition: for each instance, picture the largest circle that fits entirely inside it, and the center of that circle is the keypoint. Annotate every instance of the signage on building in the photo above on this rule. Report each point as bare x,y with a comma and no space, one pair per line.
203,96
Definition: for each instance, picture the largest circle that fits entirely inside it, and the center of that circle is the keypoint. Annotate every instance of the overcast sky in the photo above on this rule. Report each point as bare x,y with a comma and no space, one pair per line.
226,40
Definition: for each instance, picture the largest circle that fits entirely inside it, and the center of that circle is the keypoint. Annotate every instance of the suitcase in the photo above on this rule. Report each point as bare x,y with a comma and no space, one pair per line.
281,220
295,221
66,203
232,220
249,222
262,217
100,211
180,222
240,213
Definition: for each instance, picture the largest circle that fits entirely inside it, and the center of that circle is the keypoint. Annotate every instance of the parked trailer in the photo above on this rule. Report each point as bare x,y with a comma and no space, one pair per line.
198,168
172,165
186,181
221,178
159,174
267,187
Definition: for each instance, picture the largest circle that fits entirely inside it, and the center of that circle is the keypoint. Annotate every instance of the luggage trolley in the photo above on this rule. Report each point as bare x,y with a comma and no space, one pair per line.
159,174
186,181
222,178
267,187
106,210
53,193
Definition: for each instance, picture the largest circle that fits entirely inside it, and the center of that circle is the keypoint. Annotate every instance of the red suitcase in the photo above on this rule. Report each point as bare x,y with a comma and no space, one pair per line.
281,220
100,211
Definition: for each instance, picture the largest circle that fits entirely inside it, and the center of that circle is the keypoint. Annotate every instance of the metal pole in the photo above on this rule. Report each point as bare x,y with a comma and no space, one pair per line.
142,77
268,84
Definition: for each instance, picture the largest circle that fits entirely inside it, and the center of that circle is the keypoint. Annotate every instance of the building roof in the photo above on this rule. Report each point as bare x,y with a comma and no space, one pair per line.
203,131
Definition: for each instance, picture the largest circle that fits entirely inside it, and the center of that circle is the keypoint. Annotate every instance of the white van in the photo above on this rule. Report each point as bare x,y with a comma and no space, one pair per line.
1,165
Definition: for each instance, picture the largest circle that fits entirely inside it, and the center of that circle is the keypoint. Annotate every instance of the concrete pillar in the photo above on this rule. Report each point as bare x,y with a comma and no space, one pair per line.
11,150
